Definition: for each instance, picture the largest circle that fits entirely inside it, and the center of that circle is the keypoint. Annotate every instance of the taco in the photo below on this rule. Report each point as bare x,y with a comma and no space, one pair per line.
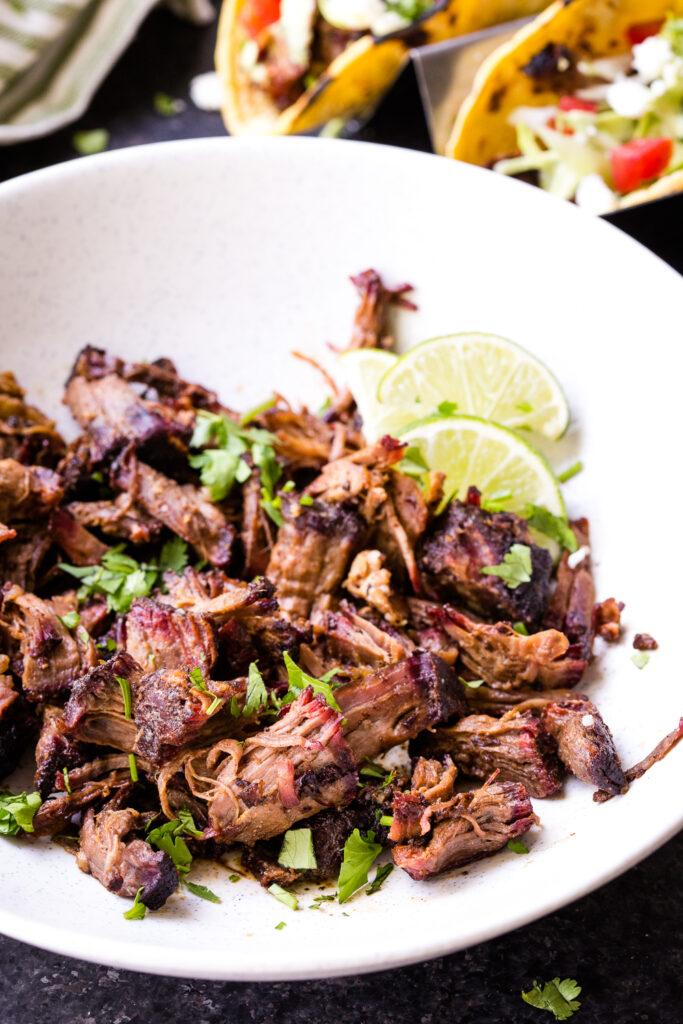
586,101
293,65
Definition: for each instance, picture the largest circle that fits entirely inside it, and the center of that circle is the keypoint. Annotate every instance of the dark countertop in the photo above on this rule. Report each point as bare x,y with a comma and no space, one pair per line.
623,944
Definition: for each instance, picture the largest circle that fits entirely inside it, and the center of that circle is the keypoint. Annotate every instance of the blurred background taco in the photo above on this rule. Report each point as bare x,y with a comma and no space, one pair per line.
586,101
293,65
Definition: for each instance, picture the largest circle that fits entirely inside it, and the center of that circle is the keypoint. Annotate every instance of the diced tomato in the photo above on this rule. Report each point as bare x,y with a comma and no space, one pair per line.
259,14
639,161
574,103
552,123
643,30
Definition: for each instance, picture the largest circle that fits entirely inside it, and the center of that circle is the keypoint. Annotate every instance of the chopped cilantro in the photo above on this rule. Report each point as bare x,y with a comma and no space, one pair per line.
108,645
413,462
234,878
67,784
387,820
555,527
473,684
520,628
515,568
447,408
297,850
169,838
17,812
198,683
280,926
70,620
318,900
224,464
187,821
497,501
573,470
305,499
257,694
299,680
289,486
383,871
372,769
138,910
559,997
166,106
132,764
202,892
127,701
640,659
517,846
257,410
409,9
88,143
360,854
121,578
283,896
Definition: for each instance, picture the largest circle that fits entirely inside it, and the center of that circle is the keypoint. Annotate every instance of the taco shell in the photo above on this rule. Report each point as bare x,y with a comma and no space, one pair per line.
589,30
356,80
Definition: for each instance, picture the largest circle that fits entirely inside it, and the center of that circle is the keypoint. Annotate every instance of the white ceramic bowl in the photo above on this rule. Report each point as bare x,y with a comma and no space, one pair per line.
225,255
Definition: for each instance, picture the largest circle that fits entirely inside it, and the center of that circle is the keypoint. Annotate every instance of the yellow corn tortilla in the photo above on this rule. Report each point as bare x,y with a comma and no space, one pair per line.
589,29
354,82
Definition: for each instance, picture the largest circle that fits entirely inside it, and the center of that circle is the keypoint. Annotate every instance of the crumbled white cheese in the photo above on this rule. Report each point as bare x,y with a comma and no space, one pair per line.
595,196
206,91
577,557
650,56
295,27
588,721
672,73
628,97
657,88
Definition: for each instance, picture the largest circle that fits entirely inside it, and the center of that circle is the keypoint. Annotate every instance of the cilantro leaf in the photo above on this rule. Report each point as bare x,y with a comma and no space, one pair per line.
517,846
515,568
257,410
473,684
288,898
555,527
573,470
127,700
202,892
359,855
413,462
167,106
280,926
17,812
138,910
640,659
559,997
70,620
375,771
383,871
520,628
297,850
447,408
173,555
168,838
257,694
187,821
67,784
305,499
132,764
119,577
87,143
299,680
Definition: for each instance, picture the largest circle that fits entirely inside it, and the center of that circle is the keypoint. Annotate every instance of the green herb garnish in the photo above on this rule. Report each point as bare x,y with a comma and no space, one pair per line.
132,764
257,694
515,568
473,684
299,680
70,620
17,812
166,106
360,854
202,892
640,659
555,527
413,462
569,473
283,896
520,628
280,926
138,910
297,850
559,997
89,143
517,846
383,871
305,500
257,410
67,784
127,700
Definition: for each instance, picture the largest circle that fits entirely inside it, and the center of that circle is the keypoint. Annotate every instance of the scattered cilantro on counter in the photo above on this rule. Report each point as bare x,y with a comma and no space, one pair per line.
558,997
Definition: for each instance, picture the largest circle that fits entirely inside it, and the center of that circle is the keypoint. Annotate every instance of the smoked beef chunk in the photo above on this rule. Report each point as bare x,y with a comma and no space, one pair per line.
571,608
169,712
121,864
507,660
288,771
396,703
161,637
465,540
55,751
449,830
585,744
95,711
607,619
517,745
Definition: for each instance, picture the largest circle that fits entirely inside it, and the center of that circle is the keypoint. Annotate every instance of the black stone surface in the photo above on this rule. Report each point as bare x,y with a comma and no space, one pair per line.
623,944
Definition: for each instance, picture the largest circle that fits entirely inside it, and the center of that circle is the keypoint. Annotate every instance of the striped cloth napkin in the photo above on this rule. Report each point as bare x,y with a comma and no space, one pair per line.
55,53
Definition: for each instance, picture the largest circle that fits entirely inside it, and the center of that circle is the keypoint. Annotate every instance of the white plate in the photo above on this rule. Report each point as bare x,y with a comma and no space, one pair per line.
225,255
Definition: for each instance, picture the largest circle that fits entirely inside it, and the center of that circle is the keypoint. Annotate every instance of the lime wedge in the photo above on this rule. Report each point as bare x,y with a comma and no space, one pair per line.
473,452
485,376
363,369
